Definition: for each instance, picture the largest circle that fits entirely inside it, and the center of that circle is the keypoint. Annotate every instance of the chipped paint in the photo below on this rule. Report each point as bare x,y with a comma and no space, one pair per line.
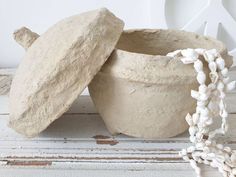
102,139
28,163
111,142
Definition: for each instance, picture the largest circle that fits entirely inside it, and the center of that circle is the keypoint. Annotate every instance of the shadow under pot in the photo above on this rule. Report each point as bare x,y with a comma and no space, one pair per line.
143,93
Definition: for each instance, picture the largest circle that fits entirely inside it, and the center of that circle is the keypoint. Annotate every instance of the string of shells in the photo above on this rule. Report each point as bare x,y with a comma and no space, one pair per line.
210,105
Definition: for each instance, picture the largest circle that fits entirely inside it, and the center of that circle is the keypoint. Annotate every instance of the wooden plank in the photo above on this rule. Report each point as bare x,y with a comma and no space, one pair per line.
80,142
7,71
109,170
84,137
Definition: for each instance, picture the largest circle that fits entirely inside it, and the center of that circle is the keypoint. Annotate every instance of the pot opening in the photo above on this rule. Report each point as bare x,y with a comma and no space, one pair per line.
161,42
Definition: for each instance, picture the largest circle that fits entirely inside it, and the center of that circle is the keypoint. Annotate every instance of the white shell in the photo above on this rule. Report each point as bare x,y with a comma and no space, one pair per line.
192,130
186,158
195,94
204,97
201,103
222,95
212,66
233,158
220,63
204,118
220,86
189,53
210,103
205,112
209,121
227,149
211,86
189,119
220,146
184,152
226,80
195,117
234,172
174,54
200,51
223,113
191,149
201,77
198,66
188,60
208,56
221,105
214,77
213,52
224,72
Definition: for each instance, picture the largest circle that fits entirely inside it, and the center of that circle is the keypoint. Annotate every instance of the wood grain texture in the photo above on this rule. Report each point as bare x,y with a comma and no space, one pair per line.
6,76
78,143
70,145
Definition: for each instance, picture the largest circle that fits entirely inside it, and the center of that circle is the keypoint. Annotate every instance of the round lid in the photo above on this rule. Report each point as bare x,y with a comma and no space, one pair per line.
58,66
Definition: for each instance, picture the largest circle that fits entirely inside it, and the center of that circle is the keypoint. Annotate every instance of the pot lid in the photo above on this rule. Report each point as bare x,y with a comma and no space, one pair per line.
58,66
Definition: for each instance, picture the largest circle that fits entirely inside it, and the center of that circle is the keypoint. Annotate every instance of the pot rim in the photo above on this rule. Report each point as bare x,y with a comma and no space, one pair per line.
155,69
222,46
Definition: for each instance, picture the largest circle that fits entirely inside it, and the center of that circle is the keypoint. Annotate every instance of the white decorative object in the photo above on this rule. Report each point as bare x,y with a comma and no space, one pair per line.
212,15
205,148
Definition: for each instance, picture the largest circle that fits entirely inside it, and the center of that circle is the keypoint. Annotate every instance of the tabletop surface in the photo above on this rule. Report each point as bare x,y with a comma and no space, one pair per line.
78,144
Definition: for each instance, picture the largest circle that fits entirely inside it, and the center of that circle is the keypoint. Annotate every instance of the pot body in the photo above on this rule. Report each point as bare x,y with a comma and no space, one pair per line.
145,94
140,109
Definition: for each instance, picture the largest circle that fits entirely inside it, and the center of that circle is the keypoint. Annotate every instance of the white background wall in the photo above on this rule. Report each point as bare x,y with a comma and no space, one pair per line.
38,15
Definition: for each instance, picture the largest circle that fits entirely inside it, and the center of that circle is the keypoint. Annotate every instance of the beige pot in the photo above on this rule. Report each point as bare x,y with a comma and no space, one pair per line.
143,93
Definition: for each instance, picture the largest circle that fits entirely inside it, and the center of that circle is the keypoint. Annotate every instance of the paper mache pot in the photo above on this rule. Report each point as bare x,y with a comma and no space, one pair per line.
140,91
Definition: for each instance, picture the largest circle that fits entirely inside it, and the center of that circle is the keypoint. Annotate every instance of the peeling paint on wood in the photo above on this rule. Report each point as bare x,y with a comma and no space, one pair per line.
102,139
5,83
28,163
110,142
6,76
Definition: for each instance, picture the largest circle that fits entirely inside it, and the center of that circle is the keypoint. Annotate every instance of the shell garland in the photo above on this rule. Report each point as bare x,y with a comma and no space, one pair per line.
210,105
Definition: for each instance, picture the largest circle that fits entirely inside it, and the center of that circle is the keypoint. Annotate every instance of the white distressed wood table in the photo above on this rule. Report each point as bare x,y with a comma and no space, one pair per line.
78,144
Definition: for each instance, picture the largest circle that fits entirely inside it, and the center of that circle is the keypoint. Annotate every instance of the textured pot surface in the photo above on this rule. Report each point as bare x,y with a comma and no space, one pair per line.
58,66
143,93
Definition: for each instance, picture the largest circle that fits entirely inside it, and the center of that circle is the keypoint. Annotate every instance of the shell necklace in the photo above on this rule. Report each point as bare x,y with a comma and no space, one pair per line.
210,105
